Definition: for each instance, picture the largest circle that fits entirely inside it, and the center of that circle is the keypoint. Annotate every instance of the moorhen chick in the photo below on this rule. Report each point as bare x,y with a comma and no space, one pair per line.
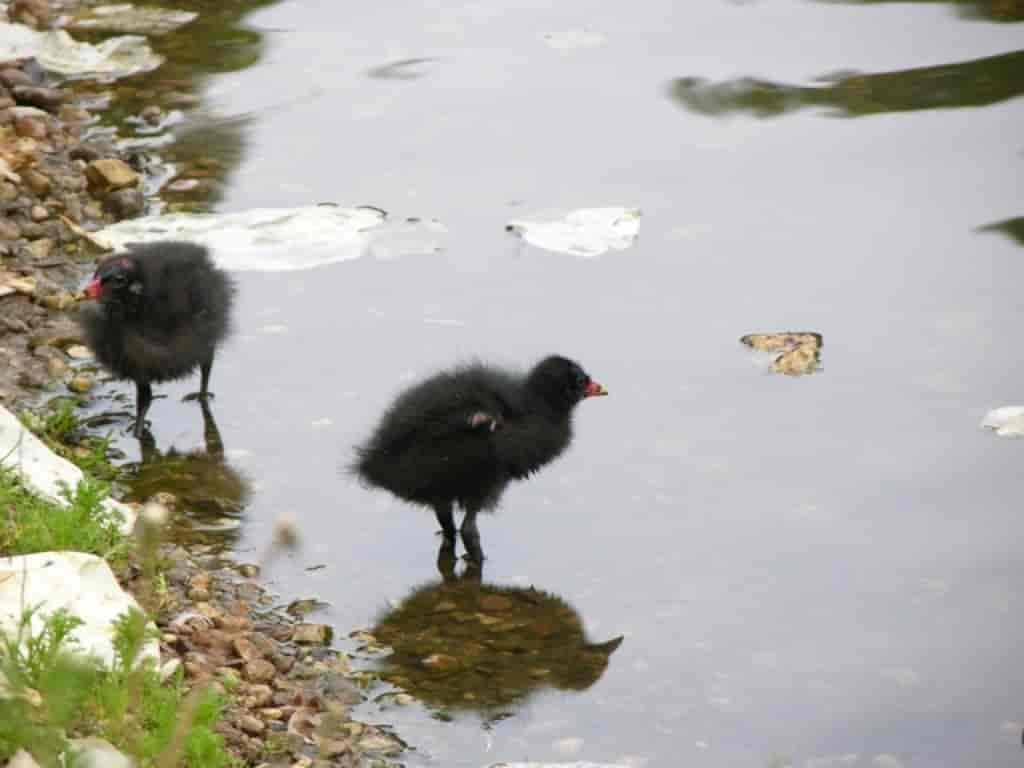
460,436
163,310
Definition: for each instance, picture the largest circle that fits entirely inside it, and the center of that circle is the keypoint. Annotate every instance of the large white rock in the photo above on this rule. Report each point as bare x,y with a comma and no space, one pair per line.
81,584
41,470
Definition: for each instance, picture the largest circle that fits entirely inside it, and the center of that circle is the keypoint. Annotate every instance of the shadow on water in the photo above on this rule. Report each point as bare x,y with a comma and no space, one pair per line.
987,10
462,645
974,83
207,488
1012,228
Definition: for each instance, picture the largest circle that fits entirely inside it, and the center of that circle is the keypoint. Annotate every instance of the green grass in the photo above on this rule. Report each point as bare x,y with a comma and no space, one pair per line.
30,524
53,695
58,426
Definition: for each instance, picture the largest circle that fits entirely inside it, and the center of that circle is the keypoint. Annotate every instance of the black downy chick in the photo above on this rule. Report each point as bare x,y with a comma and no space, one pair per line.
461,436
163,310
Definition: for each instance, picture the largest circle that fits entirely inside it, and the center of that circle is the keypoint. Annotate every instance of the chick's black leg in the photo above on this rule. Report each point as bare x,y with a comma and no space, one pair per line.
211,435
471,537
446,560
143,398
443,510
204,392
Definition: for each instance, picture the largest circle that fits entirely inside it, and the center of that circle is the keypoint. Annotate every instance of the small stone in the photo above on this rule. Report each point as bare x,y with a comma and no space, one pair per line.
235,624
49,99
126,203
79,352
259,696
33,379
403,699
30,128
81,384
332,748
151,114
12,77
495,603
198,595
110,174
56,367
272,713
58,302
245,649
251,725
248,570
39,213
183,185
9,230
8,192
37,182
313,634
86,152
440,661
260,671
41,248
23,285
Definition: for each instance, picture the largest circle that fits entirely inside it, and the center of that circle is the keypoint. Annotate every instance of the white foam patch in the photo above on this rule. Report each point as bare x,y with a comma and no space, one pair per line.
1007,421
284,239
585,232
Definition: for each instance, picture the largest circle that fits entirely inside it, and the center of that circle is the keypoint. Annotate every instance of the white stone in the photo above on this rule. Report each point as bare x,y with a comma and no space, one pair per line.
22,759
97,753
586,232
42,471
81,584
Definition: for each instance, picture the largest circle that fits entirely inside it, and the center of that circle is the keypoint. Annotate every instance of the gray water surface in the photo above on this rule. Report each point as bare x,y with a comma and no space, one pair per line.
801,567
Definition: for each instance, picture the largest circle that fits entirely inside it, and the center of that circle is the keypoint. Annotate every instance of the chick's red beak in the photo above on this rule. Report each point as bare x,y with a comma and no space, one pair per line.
94,289
594,389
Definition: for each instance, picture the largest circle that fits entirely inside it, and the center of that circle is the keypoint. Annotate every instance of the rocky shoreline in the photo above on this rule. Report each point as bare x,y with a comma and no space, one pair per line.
291,695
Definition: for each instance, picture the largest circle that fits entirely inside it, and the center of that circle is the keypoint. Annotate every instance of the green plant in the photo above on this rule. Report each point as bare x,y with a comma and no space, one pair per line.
50,693
30,524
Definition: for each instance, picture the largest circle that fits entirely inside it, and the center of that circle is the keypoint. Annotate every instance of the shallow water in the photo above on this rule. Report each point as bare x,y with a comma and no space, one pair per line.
801,567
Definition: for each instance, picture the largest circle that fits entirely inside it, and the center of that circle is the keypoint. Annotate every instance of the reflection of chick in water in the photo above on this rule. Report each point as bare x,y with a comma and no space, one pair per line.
463,644
206,485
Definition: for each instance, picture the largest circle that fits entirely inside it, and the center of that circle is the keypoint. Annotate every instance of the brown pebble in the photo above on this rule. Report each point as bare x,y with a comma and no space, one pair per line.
39,213
37,182
245,649
12,77
49,99
260,671
251,725
260,696
30,128
312,634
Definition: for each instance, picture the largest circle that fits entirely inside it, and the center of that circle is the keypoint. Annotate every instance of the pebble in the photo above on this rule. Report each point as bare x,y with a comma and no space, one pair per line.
312,634
110,173
39,213
37,182
126,203
42,248
251,725
49,99
260,671
9,230
30,128
78,352
81,384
